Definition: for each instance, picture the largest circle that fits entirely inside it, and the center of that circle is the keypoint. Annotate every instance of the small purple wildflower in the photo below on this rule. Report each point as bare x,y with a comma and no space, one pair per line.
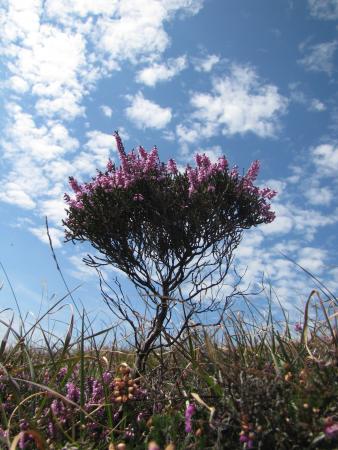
247,439
189,412
73,392
172,167
107,377
331,428
298,327
62,373
3,433
138,197
140,417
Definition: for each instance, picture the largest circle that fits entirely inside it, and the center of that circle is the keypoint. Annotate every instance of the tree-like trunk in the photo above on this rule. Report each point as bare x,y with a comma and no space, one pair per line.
146,347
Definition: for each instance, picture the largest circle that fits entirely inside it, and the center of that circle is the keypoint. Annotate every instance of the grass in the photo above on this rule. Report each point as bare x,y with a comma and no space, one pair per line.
241,385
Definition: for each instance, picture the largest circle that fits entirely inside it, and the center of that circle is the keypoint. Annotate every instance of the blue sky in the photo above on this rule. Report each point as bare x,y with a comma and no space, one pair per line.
249,79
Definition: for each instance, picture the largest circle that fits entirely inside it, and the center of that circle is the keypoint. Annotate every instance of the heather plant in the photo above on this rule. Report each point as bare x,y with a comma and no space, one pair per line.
173,233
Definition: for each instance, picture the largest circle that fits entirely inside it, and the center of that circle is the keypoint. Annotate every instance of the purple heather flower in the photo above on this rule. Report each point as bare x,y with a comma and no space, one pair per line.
246,439
147,166
331,428
332,431
73,392
172,167
76,204
110,165
140,417
46,377
119,144
117,416
74,184
222,164
107,377
298,327
3,433
62,373
138,197
252,173
59,410
97,393
243,438
129,433
189,412
51,429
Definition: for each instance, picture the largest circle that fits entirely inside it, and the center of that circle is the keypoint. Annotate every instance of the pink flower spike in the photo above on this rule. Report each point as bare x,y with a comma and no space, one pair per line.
222,163
119,144
253,171
142,152
189,412
74,184
172,167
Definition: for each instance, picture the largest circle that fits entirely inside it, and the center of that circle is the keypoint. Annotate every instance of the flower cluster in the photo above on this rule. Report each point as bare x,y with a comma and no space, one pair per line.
144,165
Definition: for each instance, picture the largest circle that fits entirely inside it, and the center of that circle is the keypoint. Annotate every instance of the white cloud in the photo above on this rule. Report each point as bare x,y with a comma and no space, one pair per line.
52,62
317,106
54,209
239,103
264,261
18,84
64,11
14,194
312,259
57,235
56,61
141,19
30,154
40,144
187,134
100,144
79,269
169,135
283,224
319,57
155,73
106,110
321,196
66,107
298,96
147,114
324,9
207,63
97,150
292,217
20,19
309,221
325,158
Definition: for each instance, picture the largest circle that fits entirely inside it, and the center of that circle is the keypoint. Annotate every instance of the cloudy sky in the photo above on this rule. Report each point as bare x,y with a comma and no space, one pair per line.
249,79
